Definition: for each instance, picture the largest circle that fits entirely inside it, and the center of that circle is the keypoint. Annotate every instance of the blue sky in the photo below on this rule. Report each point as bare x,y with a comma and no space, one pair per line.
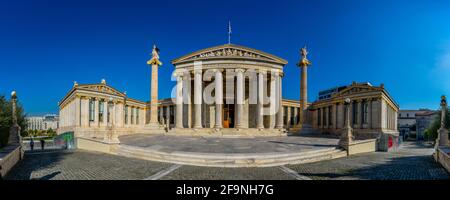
46,45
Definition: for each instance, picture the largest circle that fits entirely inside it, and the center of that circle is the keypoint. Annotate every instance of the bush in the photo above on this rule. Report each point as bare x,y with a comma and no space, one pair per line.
434,127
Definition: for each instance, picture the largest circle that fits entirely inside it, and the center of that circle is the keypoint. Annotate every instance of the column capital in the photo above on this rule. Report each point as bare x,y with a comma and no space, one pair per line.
239,70
217,70
261,71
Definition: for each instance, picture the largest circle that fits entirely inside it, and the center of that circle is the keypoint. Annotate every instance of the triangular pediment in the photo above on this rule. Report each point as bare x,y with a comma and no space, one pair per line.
230,51
356,88
102,88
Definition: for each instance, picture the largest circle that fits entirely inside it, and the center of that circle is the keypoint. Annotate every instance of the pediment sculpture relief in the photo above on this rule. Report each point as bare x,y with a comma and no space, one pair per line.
227,52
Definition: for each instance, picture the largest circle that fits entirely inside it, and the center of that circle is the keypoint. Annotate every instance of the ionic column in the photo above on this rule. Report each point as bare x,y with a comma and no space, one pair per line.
359,112
179,102
273,100
219,98
168,116
105,112
84,111
198,98
279,96
161,114
288,117
295,116
239,97
77,111
96,104
260,112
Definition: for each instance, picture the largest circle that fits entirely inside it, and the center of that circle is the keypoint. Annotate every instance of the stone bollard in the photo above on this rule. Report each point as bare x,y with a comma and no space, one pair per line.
14,131
442,139
347,132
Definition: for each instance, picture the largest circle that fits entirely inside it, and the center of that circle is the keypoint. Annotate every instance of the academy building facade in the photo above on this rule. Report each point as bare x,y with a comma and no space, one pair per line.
224,90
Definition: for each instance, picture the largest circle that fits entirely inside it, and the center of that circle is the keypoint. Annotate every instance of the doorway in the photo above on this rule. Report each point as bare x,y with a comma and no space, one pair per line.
228,116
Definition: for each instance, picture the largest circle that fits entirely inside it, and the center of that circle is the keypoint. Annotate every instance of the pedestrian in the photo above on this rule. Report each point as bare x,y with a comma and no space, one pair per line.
31,143
42,144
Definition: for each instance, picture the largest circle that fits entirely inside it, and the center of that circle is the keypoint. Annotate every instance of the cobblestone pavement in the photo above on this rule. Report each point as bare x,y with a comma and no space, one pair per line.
412,161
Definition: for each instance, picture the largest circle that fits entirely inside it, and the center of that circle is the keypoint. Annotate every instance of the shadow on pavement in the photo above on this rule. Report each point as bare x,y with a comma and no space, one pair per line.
396,168
34,161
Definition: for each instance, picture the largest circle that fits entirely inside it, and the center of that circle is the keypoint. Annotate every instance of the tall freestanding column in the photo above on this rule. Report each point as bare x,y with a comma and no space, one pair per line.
14,131
155,63
442,139
239,97
198,98
219,98
179,102
303,64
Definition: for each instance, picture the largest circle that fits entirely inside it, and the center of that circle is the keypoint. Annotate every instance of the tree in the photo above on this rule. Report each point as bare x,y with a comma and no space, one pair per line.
6,119
51,132
431,132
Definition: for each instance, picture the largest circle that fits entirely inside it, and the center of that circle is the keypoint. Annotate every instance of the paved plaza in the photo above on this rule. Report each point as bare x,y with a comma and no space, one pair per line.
217,145
413,161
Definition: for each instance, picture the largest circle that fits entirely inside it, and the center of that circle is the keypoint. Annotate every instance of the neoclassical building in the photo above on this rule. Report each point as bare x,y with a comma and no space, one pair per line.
372,111
223,90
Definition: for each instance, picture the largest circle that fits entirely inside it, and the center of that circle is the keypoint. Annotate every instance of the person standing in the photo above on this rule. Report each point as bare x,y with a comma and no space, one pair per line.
31,143
42,144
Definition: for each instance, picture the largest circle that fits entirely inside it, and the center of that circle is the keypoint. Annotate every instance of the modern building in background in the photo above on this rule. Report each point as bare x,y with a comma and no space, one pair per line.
49,121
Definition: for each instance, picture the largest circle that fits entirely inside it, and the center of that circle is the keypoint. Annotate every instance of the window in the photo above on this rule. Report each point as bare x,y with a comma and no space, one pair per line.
292,115
91,110
101,106
126,114
330,110
319,117
354,113
132,115
137,115
324,117
366,113
108,112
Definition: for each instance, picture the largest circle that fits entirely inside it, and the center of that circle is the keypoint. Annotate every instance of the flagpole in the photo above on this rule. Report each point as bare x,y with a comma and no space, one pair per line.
229,32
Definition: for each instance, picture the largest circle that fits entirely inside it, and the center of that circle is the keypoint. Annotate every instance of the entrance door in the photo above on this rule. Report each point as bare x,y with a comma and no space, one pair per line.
228,116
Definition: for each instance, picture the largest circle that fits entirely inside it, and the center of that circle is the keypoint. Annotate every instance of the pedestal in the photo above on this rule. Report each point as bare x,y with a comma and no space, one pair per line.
442,137
14,135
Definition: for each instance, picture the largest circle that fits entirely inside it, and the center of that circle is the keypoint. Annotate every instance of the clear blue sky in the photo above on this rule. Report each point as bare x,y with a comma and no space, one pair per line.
46,45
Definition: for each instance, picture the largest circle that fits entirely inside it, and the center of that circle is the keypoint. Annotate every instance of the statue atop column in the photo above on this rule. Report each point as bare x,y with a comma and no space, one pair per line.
302,124
155,63
155,57
304,61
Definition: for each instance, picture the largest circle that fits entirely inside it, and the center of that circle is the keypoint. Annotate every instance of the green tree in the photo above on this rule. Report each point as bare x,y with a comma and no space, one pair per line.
431,132
51,132
6,119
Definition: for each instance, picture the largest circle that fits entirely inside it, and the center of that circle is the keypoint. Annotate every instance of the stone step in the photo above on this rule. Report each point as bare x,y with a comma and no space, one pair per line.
231,160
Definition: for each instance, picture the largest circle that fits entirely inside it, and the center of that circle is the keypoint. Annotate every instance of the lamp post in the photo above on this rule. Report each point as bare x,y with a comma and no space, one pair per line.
442,139
347,132
14,131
